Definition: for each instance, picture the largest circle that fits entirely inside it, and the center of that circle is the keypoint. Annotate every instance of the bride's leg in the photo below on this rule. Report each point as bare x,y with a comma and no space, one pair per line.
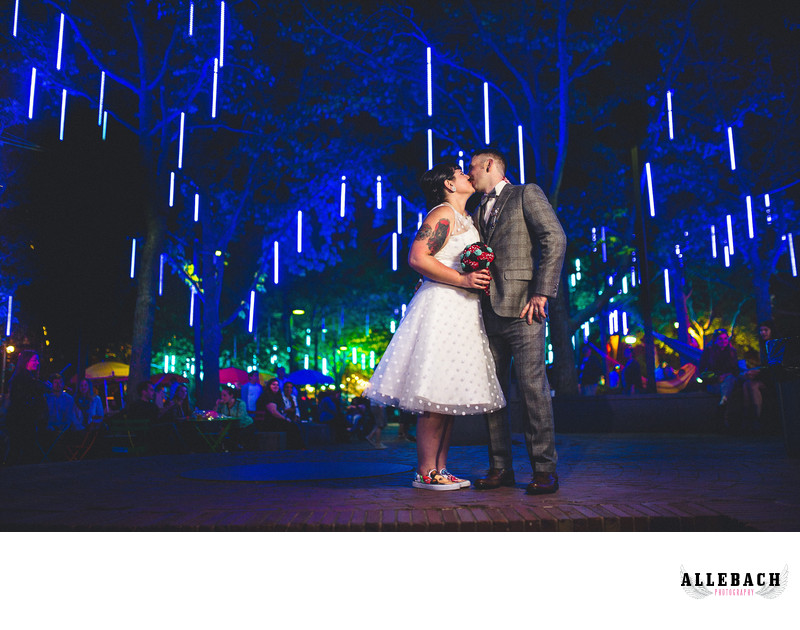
444,444
430,433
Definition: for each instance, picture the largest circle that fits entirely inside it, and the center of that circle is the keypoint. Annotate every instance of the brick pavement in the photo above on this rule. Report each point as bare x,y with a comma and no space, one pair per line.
609,482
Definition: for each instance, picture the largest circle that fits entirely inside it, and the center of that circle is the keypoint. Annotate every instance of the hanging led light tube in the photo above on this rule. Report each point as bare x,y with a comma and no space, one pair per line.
730,146
669,113
486,111
461,160
603,243
214,90
430,149
727,256
275,273
342,196
399,214
221,34
299,231
666,285
63,114
730,234
161,274
16,16
394,251
105,124
521,155
180,142
133,258
379,193
191,308
33,91
252,310
430,84
60,42
196,207
750,231
102,98
650,190
713,242
767,208
191,19
791,255
171,188
8,315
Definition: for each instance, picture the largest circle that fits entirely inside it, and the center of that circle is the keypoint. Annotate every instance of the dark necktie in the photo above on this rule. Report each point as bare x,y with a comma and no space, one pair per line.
482,209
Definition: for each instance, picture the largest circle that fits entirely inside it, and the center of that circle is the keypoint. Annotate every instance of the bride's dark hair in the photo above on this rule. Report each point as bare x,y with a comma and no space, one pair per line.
432,183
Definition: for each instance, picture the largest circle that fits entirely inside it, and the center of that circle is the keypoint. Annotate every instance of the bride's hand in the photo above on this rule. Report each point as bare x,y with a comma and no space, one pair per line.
476,279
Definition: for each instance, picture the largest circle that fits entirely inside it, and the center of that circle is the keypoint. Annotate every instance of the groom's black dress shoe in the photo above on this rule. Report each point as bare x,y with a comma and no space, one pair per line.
543,483
495,478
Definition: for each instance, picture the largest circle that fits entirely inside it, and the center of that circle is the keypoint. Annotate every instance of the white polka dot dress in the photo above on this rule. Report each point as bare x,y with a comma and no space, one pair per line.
439,358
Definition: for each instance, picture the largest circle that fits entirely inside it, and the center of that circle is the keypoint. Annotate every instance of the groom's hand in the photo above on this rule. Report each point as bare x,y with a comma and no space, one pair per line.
535,309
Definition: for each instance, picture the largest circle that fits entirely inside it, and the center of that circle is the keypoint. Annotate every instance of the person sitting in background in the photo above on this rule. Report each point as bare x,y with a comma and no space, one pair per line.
719,365
60,404
374,436
758,380
290,407
271,403
231,406
251,391
359,416
88,408
27,409
330,413
160,396
144,407
591,371
631,374
179,408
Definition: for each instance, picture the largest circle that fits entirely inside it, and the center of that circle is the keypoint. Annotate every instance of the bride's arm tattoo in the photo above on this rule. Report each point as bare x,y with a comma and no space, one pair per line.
423,233
435,237
439,236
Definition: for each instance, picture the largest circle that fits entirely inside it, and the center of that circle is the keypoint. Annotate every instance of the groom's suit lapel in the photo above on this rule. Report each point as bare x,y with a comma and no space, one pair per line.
502,198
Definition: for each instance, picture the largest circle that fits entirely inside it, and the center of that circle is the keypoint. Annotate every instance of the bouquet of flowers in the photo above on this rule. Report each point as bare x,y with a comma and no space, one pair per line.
477,256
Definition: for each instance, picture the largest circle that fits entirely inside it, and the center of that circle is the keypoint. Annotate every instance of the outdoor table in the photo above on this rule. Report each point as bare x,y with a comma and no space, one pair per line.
212,430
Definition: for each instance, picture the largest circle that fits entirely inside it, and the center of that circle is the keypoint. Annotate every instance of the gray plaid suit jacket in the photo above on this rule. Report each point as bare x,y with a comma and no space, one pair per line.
529,245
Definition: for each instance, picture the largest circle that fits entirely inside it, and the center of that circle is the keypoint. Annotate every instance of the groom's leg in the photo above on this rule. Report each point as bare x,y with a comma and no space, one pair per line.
497,422
528,344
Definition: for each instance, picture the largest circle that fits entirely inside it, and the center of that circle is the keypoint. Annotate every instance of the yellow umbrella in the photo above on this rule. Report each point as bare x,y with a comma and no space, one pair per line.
110,370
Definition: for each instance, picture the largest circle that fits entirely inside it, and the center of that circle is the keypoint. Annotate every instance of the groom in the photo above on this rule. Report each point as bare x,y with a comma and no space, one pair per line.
519,224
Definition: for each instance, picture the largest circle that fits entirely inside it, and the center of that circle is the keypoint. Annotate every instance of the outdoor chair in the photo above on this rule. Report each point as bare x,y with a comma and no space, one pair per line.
78,449
47,440
128,436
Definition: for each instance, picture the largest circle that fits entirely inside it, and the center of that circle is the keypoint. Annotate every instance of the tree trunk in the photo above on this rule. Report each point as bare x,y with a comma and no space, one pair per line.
761,270
212,270
144,312
564,375
679,300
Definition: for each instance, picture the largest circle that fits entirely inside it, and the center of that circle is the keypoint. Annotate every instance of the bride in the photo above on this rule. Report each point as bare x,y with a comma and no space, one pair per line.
438,364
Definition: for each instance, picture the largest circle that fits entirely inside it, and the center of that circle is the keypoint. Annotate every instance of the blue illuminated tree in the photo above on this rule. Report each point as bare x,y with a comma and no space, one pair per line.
734,92
15,248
